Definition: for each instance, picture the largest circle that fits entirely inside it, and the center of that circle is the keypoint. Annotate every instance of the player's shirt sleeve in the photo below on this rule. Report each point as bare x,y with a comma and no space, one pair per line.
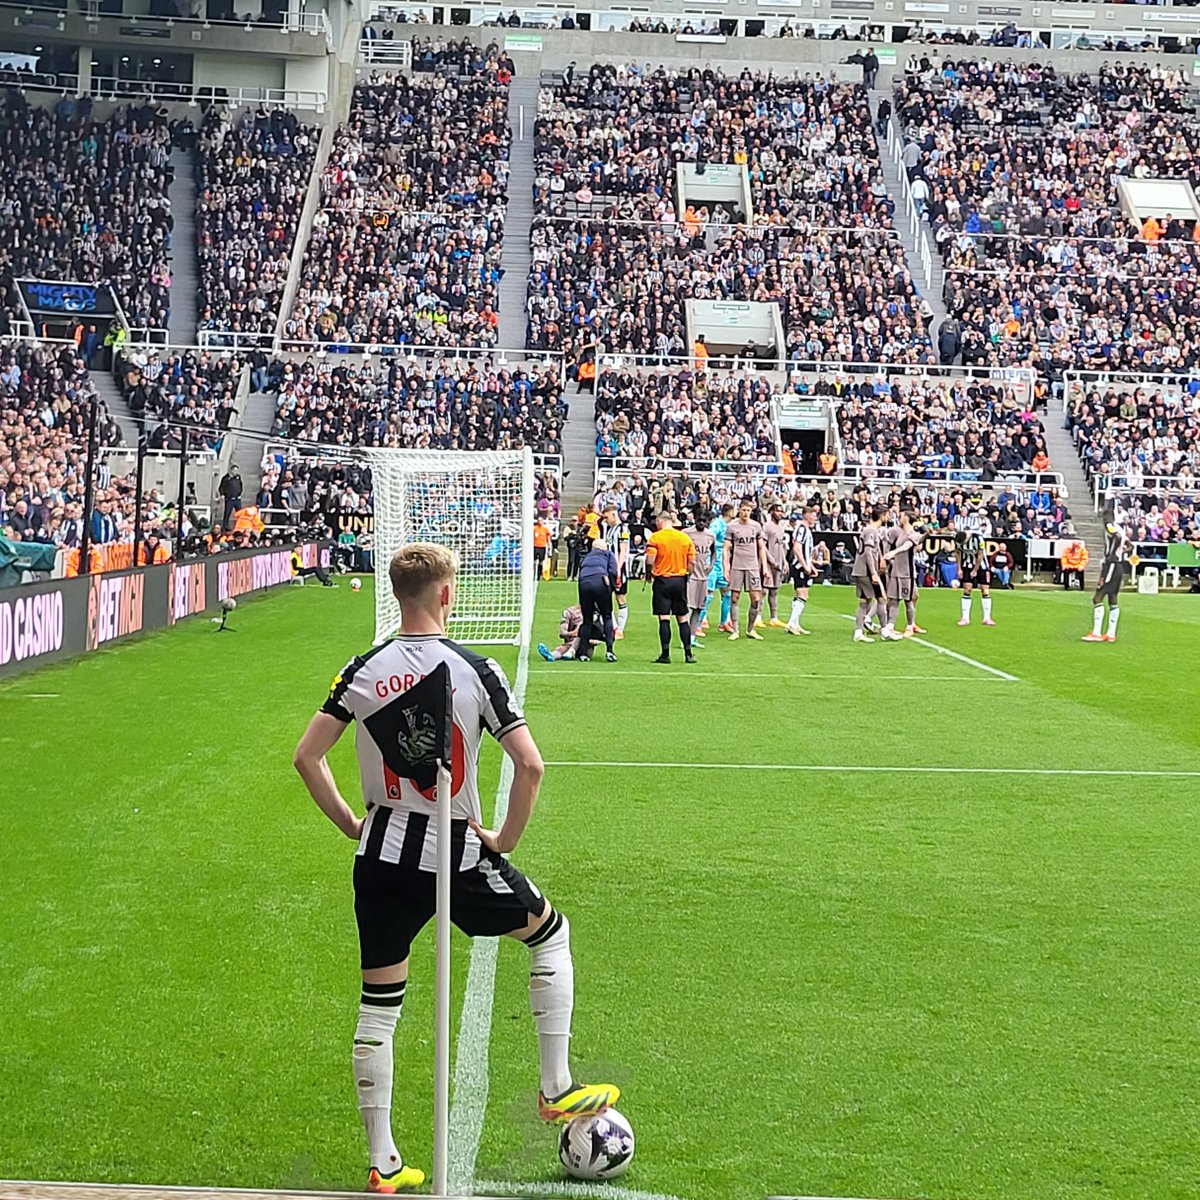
501,713
337,703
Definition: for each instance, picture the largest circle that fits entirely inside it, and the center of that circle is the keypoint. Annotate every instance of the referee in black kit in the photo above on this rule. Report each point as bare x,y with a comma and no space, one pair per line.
597,579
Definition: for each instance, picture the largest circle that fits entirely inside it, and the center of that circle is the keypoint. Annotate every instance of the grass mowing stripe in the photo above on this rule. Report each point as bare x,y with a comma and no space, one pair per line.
469,1101
836,768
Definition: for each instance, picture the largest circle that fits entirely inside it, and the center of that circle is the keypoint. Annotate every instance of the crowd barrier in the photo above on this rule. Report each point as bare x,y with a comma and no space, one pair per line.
63,618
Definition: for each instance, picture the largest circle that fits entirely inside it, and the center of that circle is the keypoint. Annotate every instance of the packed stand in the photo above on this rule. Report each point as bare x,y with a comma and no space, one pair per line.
252,175
1138,437
418,404
924,425
1014,167
614,263
618,132
171,393
683,414
45,404
844,296
85,201
406,247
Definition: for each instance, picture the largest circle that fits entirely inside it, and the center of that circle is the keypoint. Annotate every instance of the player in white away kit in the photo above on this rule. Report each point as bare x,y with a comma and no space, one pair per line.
395,869
745,565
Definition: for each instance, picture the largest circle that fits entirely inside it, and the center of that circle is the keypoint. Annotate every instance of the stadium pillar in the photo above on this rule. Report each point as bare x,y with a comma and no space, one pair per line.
89,487
183,451
137,495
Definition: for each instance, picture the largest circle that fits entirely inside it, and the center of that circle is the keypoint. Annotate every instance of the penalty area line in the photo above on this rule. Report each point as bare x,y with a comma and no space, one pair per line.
468,1107
962,658
620,673
835,768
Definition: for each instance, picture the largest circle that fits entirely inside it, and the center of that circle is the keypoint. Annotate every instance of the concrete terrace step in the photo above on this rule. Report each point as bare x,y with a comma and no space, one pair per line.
184,265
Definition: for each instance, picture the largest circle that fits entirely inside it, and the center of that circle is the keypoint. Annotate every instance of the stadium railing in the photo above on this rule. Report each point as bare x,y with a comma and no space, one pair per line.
915,222
232,339
1116,486
504,358
101,87
395,53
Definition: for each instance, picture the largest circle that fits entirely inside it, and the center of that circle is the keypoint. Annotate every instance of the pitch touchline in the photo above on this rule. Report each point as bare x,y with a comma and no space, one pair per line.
621,673
877,770
469,1105
562,1188
971,662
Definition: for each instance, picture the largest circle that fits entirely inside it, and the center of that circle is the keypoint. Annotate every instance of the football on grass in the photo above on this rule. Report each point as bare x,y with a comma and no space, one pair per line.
355,585
599,1147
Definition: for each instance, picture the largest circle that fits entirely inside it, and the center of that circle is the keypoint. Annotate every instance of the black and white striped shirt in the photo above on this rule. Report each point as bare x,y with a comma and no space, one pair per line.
400,825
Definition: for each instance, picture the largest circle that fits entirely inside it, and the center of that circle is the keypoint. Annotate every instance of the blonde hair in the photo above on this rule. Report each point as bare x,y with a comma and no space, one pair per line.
418,566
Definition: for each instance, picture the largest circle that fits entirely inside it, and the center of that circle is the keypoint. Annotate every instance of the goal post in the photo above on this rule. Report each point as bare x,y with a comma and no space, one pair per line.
478,503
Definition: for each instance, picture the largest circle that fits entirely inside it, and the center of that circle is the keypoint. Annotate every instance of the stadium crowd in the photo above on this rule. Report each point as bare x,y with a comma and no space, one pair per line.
84,200
252,174
683,414
194,390
406,248
437,404
45,402
614,263
1014,166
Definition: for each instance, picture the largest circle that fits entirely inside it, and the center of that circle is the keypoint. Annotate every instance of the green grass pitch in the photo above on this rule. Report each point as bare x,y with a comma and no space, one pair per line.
850,983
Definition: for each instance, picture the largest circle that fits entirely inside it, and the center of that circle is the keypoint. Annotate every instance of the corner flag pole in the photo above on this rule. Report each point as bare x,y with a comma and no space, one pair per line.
441,1027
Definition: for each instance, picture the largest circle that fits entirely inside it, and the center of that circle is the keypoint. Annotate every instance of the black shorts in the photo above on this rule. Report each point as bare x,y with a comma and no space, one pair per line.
669,596
980,577
1109,583
800,579
393,904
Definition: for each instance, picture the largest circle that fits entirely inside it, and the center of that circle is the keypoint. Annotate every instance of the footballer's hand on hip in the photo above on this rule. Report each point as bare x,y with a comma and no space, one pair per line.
491,840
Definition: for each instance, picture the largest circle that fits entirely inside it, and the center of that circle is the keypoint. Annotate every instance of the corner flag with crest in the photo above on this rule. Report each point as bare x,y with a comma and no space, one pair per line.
414,732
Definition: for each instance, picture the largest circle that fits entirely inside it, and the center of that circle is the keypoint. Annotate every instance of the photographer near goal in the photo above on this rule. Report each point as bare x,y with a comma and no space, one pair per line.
390,692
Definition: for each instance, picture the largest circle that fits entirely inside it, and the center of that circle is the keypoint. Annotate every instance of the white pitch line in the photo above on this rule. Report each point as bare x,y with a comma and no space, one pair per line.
971,662
610,1191
830,768
620,673
469,1105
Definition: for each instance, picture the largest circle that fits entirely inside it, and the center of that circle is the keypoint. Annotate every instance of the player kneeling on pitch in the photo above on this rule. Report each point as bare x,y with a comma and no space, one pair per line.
395,868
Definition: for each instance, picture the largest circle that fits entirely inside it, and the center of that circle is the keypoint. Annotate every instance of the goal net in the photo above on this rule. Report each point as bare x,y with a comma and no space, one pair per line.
479,503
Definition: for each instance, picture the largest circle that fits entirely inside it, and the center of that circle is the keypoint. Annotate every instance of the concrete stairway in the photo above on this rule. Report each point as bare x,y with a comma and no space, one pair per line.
184,288
895,187
579,449
522,99
1063,458
110,395
254,427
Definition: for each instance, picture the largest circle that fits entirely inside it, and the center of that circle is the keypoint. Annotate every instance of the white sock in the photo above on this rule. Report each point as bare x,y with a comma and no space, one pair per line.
1098,619
622,617
986,604
966,608
377,1016
1114,615
552,997
797,612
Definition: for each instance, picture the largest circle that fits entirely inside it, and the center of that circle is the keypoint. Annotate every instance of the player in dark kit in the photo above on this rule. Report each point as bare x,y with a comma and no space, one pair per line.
395,868
1108,587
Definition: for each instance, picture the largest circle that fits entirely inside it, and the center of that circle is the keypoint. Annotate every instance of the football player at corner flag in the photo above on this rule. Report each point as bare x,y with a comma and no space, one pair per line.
390,692
1112,571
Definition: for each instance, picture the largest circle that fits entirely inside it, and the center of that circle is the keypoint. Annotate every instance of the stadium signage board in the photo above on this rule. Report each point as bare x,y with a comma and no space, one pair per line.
523,43
55,298
1183,554
58,619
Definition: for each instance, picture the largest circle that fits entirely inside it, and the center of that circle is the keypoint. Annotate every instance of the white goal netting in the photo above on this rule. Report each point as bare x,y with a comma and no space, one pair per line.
478,503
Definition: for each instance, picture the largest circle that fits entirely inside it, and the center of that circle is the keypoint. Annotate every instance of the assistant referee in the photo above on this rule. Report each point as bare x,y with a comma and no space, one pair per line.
669,554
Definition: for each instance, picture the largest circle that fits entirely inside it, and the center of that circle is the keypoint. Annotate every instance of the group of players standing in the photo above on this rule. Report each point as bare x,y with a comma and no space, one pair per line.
744,550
